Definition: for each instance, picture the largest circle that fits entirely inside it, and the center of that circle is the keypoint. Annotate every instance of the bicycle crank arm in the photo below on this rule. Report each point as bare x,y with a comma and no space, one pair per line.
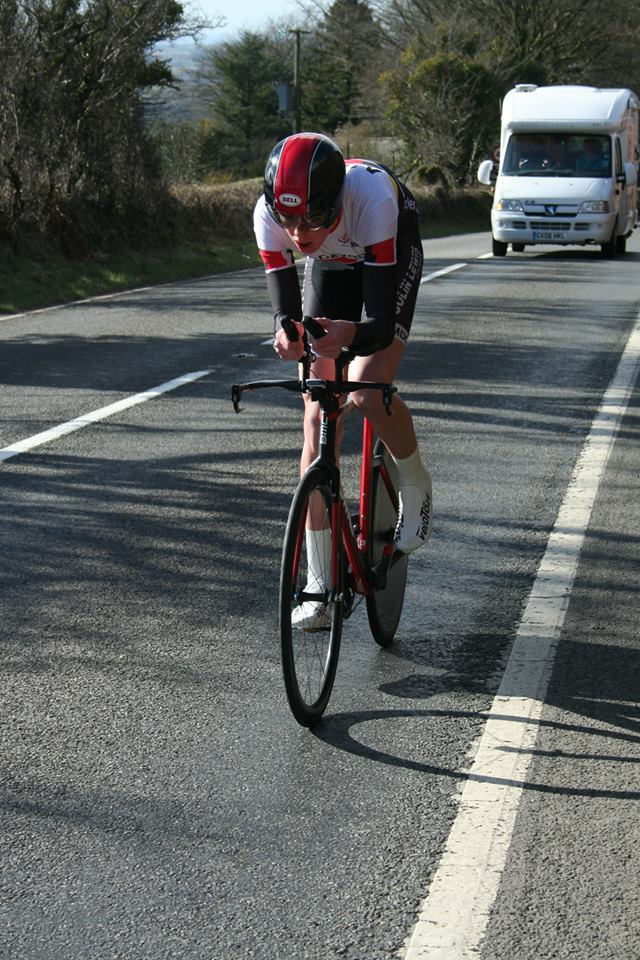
379,573
302,596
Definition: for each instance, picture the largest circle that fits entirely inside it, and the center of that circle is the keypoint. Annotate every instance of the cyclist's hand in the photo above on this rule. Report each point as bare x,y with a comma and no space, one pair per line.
339,334
288,349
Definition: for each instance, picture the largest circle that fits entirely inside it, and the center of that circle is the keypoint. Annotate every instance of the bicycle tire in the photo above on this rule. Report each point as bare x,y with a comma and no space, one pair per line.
309,657
384,607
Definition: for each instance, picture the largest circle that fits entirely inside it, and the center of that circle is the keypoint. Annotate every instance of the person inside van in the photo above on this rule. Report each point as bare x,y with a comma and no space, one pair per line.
534,152
593,159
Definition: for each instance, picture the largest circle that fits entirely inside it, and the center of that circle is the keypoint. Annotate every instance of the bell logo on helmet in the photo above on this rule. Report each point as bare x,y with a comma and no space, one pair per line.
289,199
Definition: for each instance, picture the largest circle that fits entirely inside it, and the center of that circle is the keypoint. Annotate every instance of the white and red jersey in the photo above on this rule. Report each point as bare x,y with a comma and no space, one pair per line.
366,229
368,268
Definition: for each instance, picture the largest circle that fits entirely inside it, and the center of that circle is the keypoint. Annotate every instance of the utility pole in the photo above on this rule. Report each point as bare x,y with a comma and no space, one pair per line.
297,80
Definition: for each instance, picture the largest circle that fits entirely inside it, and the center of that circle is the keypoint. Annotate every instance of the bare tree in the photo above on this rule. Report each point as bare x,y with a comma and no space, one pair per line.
71,137
541,40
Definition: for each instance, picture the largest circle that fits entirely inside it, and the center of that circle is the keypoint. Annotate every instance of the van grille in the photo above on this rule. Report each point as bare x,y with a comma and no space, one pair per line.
549,225
550,210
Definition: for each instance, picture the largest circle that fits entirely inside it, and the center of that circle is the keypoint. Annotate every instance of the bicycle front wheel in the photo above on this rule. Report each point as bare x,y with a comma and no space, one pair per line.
311,599
384,607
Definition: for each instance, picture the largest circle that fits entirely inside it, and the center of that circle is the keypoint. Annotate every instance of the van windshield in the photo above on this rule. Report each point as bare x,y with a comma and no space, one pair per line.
557,155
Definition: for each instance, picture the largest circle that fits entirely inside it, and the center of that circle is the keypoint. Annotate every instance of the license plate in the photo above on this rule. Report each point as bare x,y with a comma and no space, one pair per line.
549,235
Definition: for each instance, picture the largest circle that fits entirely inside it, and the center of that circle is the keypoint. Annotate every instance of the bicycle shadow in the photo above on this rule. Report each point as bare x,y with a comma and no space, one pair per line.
338,731
601,693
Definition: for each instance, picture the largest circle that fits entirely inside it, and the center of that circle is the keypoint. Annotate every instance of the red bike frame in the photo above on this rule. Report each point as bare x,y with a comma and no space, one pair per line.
358,551
328,392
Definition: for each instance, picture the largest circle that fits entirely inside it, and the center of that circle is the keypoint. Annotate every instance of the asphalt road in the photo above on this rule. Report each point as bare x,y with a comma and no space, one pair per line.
157,800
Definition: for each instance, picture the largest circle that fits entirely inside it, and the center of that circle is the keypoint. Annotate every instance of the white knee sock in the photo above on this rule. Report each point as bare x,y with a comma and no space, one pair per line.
318,558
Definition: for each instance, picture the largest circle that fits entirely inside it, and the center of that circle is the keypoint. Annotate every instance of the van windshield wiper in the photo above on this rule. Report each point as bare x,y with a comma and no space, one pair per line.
541,173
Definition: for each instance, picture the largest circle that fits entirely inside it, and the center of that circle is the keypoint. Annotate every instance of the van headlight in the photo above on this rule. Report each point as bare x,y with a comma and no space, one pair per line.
515,206
594,206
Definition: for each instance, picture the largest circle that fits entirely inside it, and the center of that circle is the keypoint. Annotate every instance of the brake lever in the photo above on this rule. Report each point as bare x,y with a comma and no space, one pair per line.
387,396
289,327
313,327
307,358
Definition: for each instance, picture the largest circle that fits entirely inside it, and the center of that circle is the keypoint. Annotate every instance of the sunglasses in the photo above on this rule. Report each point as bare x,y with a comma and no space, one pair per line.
317,222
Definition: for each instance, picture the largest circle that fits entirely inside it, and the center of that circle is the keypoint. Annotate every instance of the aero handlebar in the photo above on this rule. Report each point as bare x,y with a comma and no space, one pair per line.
318,389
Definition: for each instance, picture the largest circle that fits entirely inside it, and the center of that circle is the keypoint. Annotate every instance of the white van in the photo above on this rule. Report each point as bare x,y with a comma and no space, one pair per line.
568,168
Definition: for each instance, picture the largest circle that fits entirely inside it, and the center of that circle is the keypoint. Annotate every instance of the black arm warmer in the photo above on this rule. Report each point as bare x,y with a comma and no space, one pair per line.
284,293
377,328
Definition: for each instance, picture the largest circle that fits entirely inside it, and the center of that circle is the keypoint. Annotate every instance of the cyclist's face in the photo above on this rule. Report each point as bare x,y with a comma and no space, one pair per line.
307,240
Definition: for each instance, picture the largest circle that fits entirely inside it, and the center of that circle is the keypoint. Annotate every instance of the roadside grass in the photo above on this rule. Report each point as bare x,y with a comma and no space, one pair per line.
27,284
212,235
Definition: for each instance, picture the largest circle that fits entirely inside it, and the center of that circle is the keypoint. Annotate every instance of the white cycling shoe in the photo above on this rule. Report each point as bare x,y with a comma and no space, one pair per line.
311,615
414,518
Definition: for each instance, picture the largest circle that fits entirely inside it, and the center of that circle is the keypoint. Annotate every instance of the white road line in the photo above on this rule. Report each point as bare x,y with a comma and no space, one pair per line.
114,295
454,266
455,914
443,272
426,279
79,422
74,303
173,283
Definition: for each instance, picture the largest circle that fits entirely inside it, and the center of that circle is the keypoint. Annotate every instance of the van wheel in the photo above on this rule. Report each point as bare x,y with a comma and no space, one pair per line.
499,248
621,245
517,247
610,248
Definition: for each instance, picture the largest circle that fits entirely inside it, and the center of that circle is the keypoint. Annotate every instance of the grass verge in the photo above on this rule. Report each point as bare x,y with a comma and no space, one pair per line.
28,284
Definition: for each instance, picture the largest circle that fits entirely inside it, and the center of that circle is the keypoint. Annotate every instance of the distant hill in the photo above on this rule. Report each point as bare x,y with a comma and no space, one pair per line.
183,102
183,54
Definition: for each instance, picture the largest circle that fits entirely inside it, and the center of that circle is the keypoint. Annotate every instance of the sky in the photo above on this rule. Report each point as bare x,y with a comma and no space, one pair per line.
239,14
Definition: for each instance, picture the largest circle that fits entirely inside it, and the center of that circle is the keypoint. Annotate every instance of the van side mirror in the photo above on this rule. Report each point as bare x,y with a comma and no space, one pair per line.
631,174
484,172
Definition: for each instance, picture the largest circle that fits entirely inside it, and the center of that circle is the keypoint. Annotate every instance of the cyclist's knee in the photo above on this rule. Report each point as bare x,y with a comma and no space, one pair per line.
368,402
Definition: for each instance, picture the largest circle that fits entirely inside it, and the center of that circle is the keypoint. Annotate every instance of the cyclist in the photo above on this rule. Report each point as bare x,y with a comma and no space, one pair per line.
358,227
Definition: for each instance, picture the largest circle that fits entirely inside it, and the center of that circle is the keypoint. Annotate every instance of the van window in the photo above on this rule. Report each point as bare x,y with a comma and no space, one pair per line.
557,155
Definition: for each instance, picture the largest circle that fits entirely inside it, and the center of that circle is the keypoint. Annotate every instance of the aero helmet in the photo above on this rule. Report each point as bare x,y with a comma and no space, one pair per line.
303,180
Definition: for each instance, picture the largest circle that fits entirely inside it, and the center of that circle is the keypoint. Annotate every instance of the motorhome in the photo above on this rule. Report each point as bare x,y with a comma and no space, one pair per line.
568,168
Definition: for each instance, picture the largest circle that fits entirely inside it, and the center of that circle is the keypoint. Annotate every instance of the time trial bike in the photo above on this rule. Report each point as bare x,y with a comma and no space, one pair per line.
331,557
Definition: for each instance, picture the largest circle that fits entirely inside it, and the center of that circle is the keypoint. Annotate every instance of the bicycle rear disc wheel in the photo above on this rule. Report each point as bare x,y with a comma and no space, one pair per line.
310,653
384,607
